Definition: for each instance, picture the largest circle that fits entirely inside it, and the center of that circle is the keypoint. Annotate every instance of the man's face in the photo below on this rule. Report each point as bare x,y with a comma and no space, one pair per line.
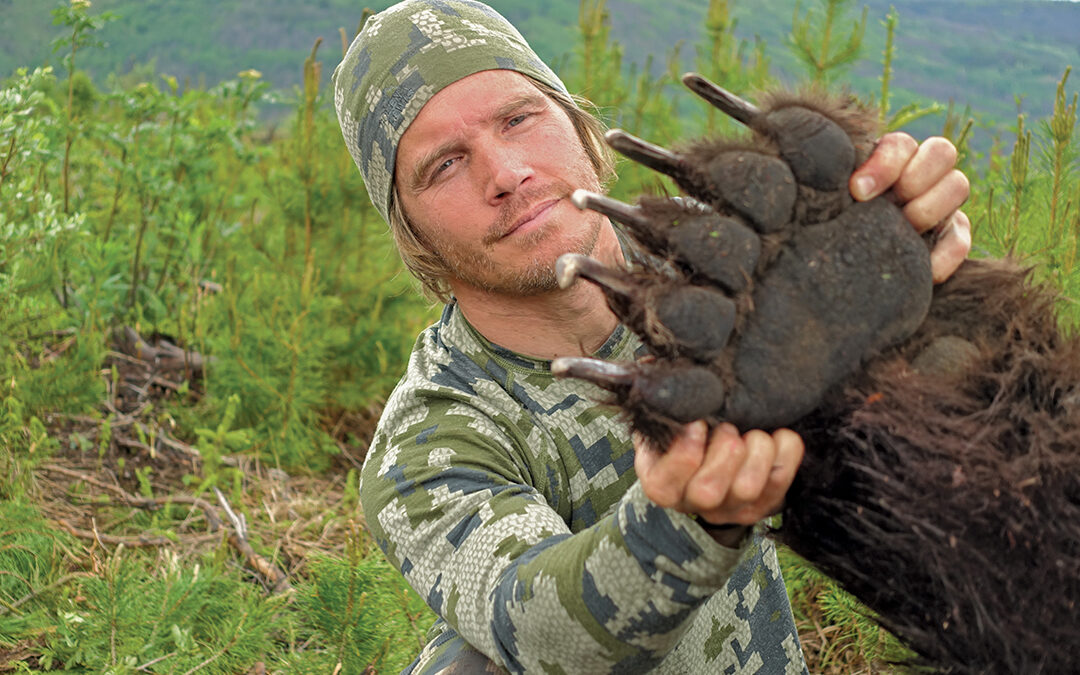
485,173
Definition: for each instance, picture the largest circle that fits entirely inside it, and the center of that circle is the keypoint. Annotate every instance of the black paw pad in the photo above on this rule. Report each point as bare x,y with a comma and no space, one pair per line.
777,284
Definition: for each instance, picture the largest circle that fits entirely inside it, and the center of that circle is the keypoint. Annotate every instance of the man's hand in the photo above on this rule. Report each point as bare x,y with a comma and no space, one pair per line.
926,184
722,477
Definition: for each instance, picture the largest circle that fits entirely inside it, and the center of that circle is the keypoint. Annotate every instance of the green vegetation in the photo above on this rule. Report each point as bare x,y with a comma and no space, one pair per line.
978,53
200,316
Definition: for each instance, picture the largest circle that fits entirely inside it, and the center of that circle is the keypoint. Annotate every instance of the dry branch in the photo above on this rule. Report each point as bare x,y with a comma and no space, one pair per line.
275,577
149,503
137,541
166,356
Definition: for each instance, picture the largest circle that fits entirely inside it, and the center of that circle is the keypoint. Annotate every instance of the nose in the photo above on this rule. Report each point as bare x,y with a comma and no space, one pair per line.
508,169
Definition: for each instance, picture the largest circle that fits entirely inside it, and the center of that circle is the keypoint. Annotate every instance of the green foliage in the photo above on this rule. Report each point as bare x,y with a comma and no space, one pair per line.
275,358
913,110
1028,204
41,355
31,564
23,441
215,443
723,58
657,106
362,613
316,314
634,103
853,634
133,206
177,619
823,54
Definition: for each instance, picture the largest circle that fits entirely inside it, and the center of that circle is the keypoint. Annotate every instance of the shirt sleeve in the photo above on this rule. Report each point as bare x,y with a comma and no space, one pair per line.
451,509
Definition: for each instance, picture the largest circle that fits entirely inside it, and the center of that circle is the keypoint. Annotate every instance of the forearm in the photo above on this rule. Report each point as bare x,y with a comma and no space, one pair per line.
502,568
616,597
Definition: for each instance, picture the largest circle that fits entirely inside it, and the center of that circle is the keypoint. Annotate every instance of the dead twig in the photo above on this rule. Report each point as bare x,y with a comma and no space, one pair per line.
273,574
133,541
132,443
179,445
71,473
213,521
165,356
53,354
146,666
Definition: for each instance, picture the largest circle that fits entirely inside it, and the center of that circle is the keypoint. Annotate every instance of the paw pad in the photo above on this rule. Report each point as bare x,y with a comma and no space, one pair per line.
775,285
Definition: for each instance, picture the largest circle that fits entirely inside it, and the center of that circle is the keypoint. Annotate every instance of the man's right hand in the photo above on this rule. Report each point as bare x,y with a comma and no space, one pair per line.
721,477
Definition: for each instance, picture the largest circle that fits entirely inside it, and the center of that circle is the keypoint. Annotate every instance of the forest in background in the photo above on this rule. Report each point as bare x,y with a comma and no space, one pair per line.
200,316
977,53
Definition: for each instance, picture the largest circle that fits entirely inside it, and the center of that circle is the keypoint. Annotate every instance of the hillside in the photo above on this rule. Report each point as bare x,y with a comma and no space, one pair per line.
980,53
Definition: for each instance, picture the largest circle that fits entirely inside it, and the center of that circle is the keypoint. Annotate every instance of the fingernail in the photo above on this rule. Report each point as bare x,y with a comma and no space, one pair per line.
695,431
729,428
864,187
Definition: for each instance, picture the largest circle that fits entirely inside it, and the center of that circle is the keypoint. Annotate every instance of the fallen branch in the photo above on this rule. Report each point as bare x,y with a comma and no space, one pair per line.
53,354
141,540
149,503
165,356
273,574
122,420
190,450
145,668
71,473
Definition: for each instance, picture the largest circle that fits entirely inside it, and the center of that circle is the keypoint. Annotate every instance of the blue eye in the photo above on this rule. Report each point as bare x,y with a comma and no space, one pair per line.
514,121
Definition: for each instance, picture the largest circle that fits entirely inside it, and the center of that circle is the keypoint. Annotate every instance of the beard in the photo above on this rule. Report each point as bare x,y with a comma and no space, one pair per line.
527,266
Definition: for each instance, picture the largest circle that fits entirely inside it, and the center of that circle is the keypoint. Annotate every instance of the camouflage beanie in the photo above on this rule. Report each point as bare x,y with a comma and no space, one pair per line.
405,55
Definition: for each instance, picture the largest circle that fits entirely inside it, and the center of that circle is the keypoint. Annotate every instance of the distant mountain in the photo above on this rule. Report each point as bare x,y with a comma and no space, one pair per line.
977,52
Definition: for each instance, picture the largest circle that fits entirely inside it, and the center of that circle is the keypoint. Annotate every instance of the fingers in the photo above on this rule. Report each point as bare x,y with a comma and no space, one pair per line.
937,202
951,248
764,495
727,454
755,470
789,454
934,158
884,166
725,478
664,477
924,180
913,171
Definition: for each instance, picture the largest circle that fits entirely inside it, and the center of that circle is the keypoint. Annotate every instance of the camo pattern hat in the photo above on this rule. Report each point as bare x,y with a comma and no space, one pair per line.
405,55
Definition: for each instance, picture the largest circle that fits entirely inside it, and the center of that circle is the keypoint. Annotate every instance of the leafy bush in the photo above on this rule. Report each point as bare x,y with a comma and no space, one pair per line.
163,209
42,359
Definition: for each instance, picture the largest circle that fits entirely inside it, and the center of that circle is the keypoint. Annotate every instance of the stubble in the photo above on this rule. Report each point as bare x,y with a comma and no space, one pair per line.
480,265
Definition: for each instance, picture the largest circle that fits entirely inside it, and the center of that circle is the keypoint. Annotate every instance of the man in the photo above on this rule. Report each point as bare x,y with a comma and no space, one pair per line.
513,502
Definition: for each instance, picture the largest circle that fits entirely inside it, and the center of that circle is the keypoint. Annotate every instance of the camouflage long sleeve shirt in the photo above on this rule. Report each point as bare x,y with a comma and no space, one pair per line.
508,499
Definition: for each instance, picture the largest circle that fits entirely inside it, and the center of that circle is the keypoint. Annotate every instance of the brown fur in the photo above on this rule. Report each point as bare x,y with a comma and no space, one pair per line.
941,483
950,503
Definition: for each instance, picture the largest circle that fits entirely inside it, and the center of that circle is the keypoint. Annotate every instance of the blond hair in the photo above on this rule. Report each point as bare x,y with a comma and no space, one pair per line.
424,263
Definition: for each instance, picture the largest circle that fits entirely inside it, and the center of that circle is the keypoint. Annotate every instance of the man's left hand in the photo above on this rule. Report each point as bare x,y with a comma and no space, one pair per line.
927,186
